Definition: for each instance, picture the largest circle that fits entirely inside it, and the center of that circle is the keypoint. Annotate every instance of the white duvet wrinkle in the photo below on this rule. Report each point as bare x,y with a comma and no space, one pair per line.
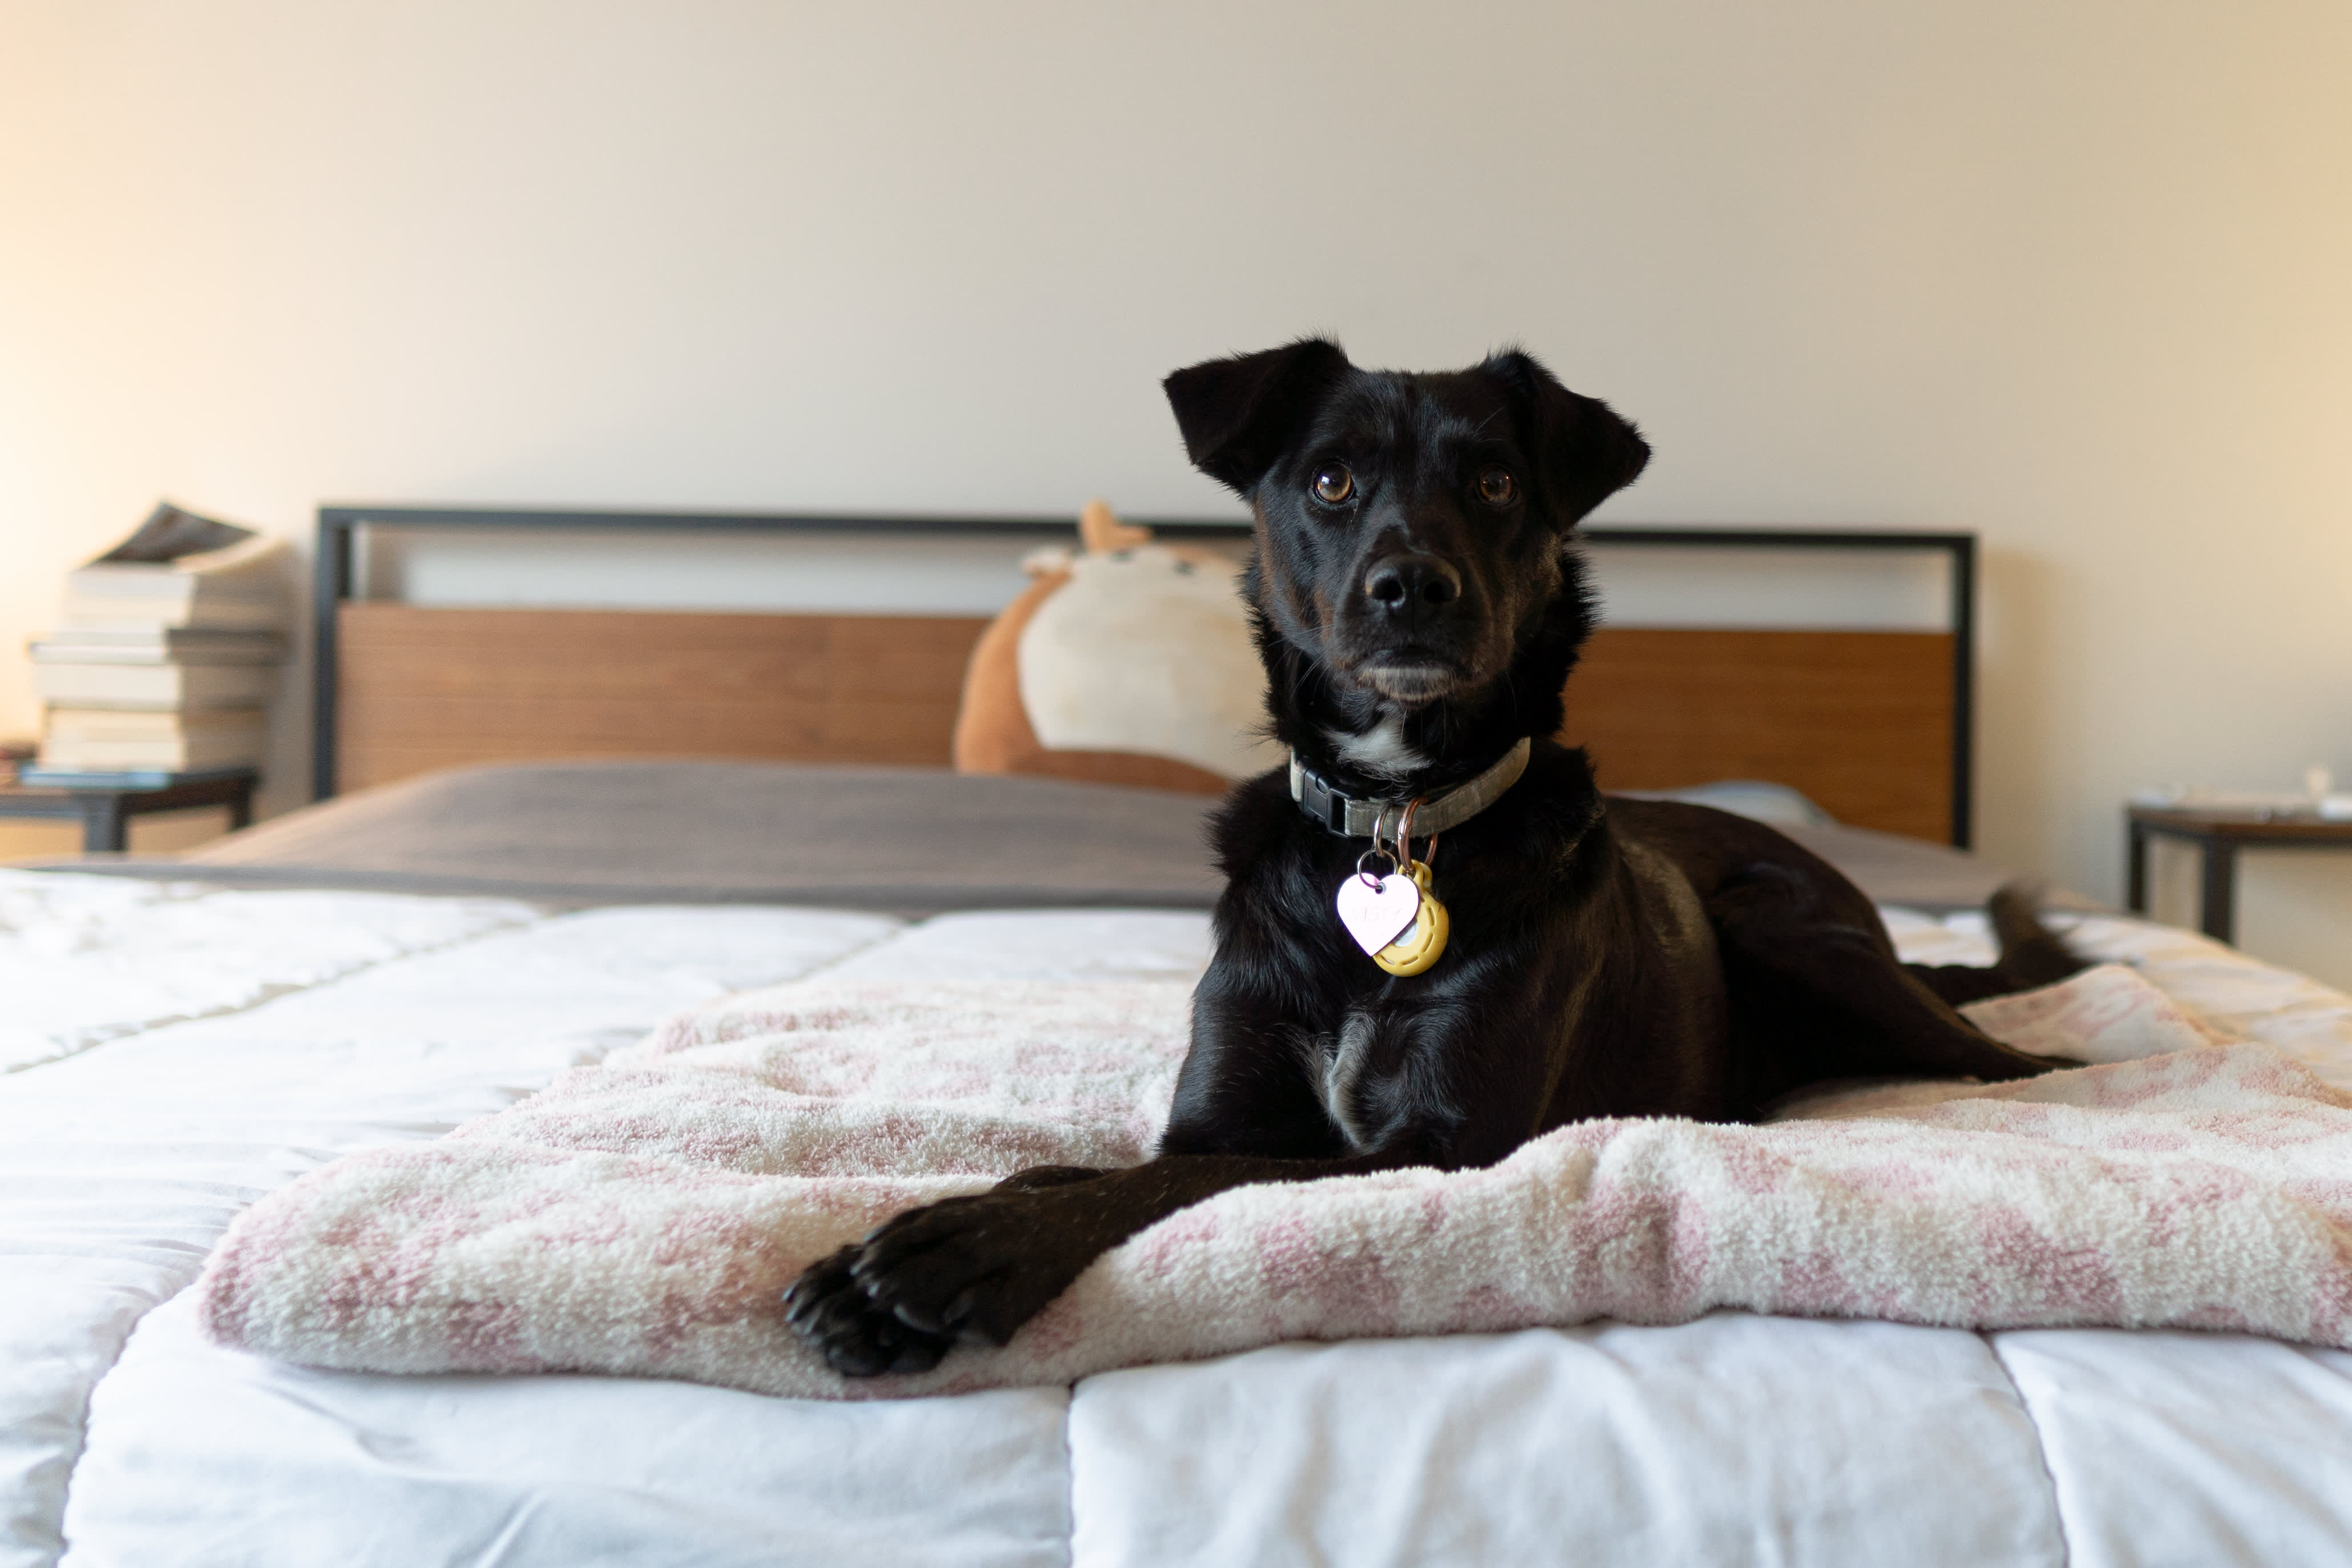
86,960
2024,1408
397,1472
1920,938
886,930
2168,1448
2237,994
754,946
1732,1439
505,1011
1038,944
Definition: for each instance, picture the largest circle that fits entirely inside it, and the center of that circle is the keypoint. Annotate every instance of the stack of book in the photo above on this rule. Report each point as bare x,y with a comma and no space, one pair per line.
168,653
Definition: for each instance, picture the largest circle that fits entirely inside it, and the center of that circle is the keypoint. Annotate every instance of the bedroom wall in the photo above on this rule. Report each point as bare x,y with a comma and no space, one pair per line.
2072,276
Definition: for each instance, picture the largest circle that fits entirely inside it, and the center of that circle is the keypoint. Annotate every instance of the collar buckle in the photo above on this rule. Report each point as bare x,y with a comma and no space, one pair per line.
1356,819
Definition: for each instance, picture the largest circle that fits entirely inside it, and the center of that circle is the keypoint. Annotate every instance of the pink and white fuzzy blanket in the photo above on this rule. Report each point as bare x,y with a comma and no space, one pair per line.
645,1216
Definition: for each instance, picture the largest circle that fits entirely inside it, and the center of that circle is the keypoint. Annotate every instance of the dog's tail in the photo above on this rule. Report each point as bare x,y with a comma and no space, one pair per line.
2032,954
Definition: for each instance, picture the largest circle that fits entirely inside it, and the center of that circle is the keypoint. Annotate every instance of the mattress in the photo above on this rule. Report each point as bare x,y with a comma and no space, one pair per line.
285,1027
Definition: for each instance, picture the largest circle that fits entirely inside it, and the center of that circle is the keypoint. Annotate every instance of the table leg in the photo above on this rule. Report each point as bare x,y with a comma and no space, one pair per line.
2136,872
2219,914
105,826
240,810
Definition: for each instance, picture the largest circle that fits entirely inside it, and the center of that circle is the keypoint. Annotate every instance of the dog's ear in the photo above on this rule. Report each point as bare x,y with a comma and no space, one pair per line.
1583,450
1237,415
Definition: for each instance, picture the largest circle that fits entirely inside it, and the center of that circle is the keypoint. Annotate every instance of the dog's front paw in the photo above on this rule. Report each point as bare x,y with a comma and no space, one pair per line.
973,1268
968,1270
828,1308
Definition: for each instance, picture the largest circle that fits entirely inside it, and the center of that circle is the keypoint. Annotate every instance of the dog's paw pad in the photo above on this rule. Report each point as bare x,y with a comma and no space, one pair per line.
857,1338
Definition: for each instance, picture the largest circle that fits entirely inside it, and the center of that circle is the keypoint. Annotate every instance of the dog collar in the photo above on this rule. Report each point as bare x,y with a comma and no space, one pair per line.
1380,819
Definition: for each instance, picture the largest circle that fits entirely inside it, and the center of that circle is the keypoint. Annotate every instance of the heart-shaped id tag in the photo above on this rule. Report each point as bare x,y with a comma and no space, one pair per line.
1376,913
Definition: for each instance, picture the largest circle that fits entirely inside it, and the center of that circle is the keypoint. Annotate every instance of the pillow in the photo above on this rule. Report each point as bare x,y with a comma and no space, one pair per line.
1129,662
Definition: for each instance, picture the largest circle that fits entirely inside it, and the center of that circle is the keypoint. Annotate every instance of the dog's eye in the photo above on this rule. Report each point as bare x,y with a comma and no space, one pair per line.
1496,488
1334,484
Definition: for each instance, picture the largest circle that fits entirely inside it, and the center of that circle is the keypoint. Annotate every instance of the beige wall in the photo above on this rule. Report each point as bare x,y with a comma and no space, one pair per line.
2077,276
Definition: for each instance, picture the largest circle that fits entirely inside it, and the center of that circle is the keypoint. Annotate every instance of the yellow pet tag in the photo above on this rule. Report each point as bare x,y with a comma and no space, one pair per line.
1422,942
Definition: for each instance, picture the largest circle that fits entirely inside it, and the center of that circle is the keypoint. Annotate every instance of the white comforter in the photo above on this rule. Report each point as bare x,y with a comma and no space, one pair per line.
169,1055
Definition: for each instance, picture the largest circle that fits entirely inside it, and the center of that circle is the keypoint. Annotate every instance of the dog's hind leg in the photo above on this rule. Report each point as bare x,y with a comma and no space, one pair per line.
1819,994
2032,954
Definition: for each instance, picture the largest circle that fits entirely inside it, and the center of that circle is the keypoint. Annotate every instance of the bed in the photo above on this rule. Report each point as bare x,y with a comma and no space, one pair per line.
187,1036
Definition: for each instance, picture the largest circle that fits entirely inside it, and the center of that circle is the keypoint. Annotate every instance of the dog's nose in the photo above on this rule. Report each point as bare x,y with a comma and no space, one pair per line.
1405,583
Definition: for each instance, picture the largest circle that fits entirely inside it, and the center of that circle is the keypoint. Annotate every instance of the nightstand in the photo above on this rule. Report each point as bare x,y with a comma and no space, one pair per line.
105,803
2219,833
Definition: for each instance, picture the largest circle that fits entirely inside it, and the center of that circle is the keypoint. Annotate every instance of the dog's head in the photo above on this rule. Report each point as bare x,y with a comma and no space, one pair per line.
1413,579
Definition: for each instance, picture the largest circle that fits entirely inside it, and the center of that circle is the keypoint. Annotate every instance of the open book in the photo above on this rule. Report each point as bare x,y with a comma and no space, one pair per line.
180,571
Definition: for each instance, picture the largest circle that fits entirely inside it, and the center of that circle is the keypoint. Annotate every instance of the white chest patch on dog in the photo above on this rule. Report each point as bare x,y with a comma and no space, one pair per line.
1380,749
1335,1069
1337,1083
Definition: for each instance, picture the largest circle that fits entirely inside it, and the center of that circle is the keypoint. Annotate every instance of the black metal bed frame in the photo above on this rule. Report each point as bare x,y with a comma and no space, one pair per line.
339,526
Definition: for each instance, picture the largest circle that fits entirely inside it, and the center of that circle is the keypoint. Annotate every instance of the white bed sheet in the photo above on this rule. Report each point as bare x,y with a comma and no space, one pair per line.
1735,1439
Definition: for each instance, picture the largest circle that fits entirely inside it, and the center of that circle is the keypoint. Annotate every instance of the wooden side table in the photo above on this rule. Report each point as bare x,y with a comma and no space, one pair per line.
106,803
2219,834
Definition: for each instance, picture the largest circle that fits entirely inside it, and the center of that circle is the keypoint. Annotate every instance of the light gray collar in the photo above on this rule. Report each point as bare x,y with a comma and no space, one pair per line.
1380,819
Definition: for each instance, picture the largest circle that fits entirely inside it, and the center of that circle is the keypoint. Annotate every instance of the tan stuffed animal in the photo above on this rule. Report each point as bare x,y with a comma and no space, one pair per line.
1128,663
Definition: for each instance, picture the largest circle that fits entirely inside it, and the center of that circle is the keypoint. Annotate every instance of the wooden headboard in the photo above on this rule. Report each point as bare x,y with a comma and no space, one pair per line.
1874,724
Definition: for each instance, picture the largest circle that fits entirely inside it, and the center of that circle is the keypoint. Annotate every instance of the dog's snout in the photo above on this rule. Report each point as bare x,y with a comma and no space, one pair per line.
1403,584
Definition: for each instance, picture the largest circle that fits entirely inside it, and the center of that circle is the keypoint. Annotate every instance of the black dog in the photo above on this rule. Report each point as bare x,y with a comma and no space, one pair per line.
1418,602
